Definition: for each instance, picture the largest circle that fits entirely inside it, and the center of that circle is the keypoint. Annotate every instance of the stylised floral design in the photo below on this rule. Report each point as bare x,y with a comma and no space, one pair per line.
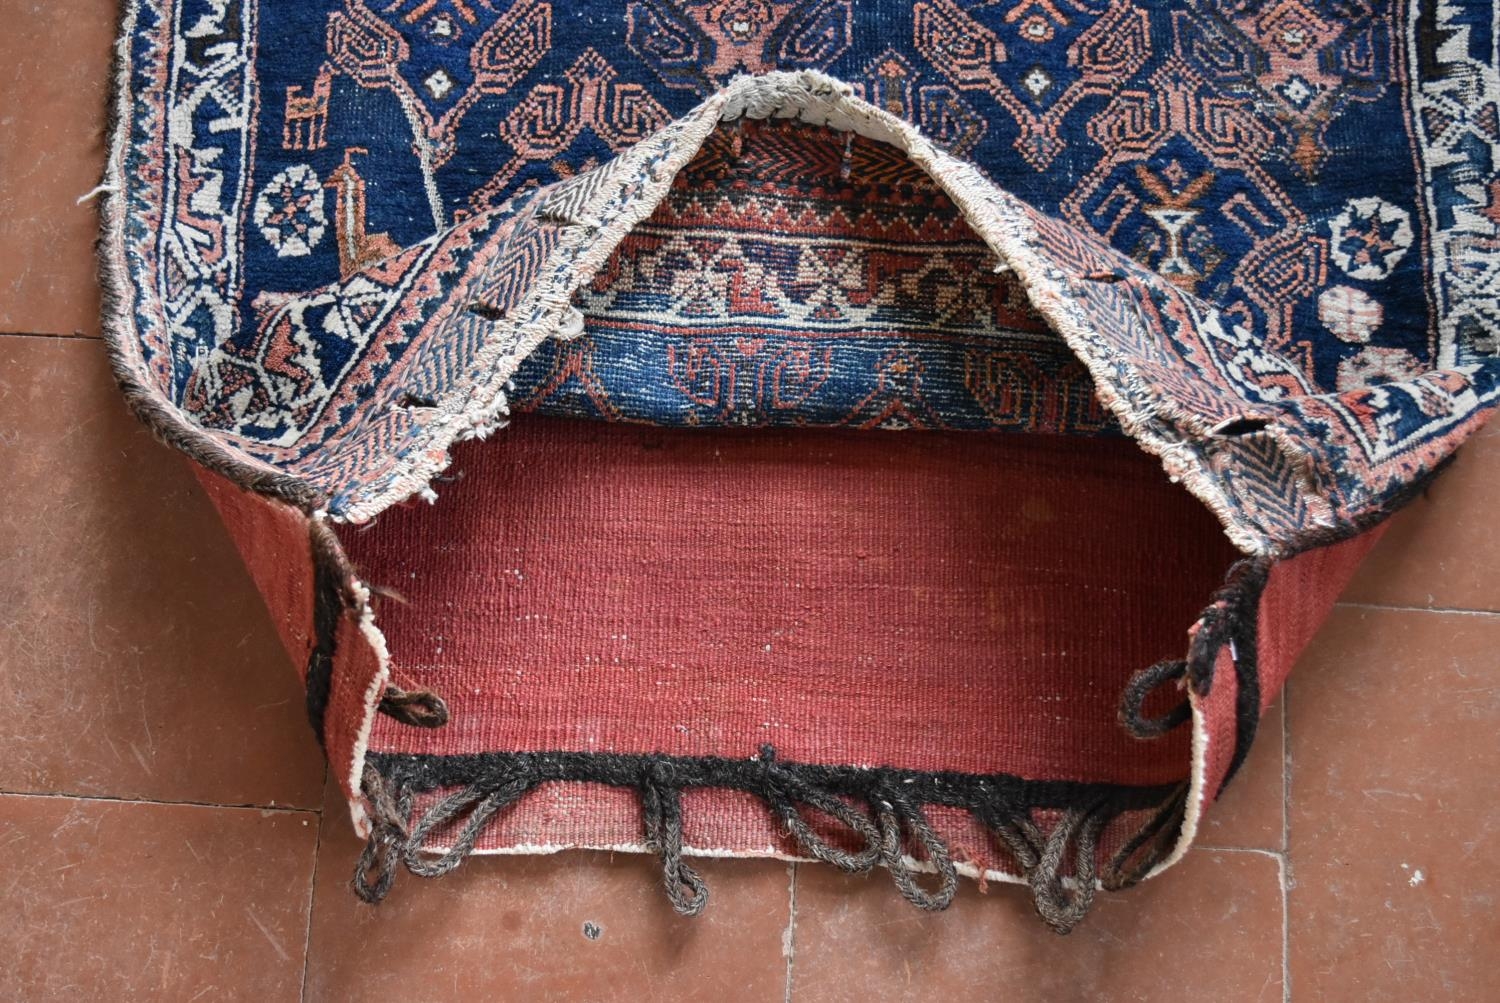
1369,237
1373,366
290,212
1349,313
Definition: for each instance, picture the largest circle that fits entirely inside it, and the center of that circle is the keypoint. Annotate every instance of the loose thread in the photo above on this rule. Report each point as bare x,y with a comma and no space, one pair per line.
95,192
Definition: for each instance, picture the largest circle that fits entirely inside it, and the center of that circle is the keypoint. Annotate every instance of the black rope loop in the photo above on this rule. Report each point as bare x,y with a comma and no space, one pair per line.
661,806
1140,687
783,791
1060,906
482,806
450,807
1022,837
376,870
1231,618
1060,863
418,708
897,818
1129,864
1215,628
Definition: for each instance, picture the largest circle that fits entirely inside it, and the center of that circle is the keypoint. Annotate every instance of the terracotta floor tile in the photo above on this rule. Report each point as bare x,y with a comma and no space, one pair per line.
137,659
1395,800
54,75
1250,812
1209,929
573,926
110,900
1444,550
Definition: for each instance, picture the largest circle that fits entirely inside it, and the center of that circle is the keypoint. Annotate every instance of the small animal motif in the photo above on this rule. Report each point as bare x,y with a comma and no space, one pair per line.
305,124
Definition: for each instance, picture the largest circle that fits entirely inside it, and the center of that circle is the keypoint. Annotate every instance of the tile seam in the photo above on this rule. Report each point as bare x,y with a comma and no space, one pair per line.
74,336
312,902
1455,610
790,935
117,799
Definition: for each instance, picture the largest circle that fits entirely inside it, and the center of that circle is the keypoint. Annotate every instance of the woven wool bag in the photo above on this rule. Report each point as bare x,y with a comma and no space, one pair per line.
1028,636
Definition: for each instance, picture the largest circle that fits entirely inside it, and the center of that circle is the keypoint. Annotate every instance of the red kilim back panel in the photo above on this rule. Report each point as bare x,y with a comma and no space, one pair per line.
614,589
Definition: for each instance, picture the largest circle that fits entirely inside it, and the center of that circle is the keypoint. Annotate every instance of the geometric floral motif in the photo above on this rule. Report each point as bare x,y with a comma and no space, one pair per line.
699,44
1349,313
890,81
1034,59
1259,115
1213,144
1170,166
1372,366
1456,127
547,122
707,315
439,56
1369,237
1182,190
1299,62
289,211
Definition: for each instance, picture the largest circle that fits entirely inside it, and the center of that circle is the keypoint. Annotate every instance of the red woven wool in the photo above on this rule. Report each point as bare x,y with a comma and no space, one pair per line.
273,542
612,589
1296,601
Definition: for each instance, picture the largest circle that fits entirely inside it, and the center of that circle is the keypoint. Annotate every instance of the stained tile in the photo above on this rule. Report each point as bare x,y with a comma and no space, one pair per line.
576,926
138,660
1209,929
109,900
1444,549
54,74
1249,814
1395,799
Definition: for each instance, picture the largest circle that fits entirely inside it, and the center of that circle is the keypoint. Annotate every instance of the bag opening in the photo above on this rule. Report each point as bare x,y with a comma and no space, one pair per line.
640,629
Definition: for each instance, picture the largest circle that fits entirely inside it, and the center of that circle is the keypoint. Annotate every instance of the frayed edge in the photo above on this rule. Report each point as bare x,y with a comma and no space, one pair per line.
481,406
118,293
339,594
375,638
1156,424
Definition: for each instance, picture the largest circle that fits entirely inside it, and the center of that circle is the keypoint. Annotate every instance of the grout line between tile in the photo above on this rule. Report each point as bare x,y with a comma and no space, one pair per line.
1286,772
1457,610
312,903
1286,965
75,336
1286,845
789,938
166,804
1283,867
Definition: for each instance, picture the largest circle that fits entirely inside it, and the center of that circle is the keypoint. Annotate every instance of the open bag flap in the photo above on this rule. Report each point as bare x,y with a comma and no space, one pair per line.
445,324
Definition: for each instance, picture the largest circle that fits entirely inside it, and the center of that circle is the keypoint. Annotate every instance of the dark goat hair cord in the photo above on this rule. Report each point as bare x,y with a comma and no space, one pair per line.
880,811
